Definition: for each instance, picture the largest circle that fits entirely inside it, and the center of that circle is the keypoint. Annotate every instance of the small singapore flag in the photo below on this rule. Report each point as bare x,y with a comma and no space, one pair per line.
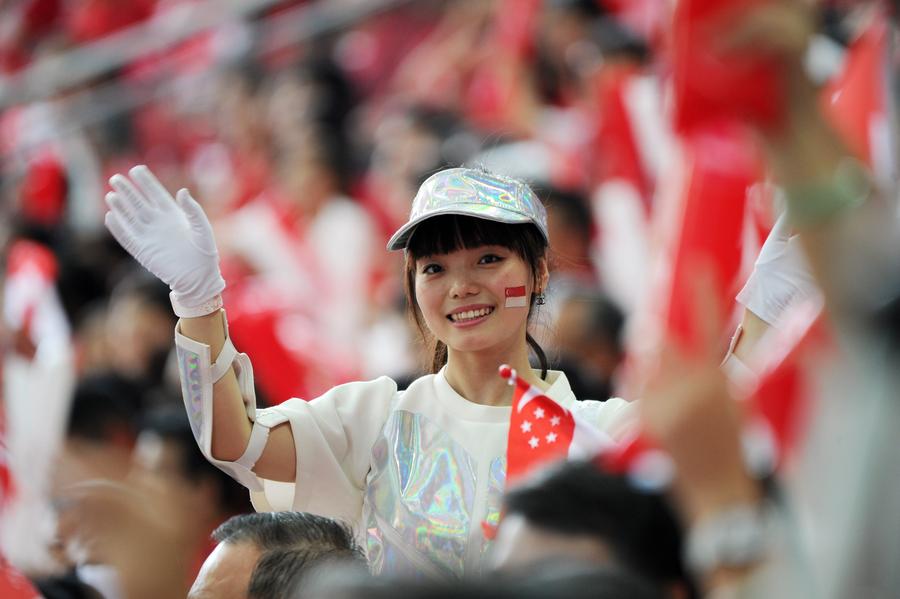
542,431
515,297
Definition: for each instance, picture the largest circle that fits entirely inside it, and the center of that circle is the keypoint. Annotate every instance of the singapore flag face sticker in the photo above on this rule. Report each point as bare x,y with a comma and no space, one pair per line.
515,297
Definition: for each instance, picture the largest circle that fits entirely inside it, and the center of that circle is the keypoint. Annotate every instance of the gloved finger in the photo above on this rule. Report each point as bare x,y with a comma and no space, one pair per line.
152,188
123,207
136,201
119,230
194,212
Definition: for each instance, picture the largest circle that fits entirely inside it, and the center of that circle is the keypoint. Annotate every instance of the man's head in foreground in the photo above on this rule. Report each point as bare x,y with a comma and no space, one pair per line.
266,555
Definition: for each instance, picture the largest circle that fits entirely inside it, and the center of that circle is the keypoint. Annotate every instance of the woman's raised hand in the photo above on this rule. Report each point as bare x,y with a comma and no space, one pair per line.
170,237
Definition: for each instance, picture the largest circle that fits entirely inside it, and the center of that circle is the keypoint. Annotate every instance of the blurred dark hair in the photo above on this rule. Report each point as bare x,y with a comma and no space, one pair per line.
571,208
577,498
246,71
447,233
605,322
170,423
104,407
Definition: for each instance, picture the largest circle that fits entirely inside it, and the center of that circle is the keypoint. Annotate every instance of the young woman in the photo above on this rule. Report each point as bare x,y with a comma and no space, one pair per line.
416,471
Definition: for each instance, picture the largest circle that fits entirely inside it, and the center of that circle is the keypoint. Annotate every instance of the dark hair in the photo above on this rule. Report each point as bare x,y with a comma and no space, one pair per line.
570,208
104,406
279,573
285,530
170,423
577,498
605,321
290,544
448,233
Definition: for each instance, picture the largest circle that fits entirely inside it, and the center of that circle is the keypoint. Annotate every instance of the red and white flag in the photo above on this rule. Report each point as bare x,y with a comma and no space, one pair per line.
515,297
541,431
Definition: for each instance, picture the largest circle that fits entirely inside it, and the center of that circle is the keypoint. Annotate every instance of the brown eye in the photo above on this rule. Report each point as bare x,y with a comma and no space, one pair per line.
490,259
430,269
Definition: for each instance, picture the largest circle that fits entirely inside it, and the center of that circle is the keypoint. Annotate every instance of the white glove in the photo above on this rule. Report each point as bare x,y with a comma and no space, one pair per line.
170,237
780,276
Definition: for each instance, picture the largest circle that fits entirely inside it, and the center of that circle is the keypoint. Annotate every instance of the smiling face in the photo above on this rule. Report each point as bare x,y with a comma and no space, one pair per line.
459,270
462,296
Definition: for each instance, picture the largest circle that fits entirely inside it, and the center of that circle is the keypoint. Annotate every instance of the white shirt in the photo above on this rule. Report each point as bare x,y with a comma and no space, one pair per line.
416,472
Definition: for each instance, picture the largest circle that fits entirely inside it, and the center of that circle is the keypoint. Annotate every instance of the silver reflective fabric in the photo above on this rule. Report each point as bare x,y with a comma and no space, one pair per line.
471,192
420,500
191,388
496,485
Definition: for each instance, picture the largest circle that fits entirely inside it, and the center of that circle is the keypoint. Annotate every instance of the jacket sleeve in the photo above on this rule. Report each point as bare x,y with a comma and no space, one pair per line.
333,437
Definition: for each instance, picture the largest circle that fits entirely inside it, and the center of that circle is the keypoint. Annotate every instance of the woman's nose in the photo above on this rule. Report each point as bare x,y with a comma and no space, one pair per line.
463,286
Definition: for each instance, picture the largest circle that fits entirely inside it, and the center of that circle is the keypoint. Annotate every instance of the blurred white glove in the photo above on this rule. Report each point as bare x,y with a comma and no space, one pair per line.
780,276
170,237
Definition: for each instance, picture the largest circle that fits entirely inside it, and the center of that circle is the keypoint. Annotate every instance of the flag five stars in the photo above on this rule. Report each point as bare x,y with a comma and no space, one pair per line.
540,429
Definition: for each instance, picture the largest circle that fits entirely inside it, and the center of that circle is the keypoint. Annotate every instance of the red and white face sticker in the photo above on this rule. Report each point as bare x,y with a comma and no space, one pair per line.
515,297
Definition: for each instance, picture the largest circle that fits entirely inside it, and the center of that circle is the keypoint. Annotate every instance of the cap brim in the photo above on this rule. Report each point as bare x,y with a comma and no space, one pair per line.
400,239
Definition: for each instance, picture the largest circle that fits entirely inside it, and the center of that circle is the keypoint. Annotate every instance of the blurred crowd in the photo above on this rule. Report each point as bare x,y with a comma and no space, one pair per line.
304,130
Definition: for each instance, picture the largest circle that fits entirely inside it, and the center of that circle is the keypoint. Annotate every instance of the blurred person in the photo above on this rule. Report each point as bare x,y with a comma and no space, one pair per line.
323,240
589,335
165,446
475,247
100,437
137,322
235,169
310,249
267,555
409,144
313,93
140,533
576,513
569,219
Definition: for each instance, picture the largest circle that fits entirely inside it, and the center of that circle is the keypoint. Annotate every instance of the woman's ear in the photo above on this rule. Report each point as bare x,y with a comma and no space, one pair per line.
543,275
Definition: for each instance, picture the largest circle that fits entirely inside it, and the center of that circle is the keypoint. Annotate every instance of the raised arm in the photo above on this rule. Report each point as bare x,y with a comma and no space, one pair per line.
172,238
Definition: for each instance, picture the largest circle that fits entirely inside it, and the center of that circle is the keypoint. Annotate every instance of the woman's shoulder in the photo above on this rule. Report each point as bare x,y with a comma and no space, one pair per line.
382,388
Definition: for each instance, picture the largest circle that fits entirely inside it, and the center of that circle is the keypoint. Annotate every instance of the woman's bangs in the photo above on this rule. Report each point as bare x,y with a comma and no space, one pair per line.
451,232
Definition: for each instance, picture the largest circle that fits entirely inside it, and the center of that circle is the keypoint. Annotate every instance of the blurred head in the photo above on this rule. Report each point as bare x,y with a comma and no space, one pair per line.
569,220
265,555
314,168
103,426
576,513
139,328
100,437
589,330
166,446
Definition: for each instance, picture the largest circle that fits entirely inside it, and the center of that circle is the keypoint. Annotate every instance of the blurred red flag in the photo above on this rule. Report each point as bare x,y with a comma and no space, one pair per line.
722,165
855,101
710,86
13,585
